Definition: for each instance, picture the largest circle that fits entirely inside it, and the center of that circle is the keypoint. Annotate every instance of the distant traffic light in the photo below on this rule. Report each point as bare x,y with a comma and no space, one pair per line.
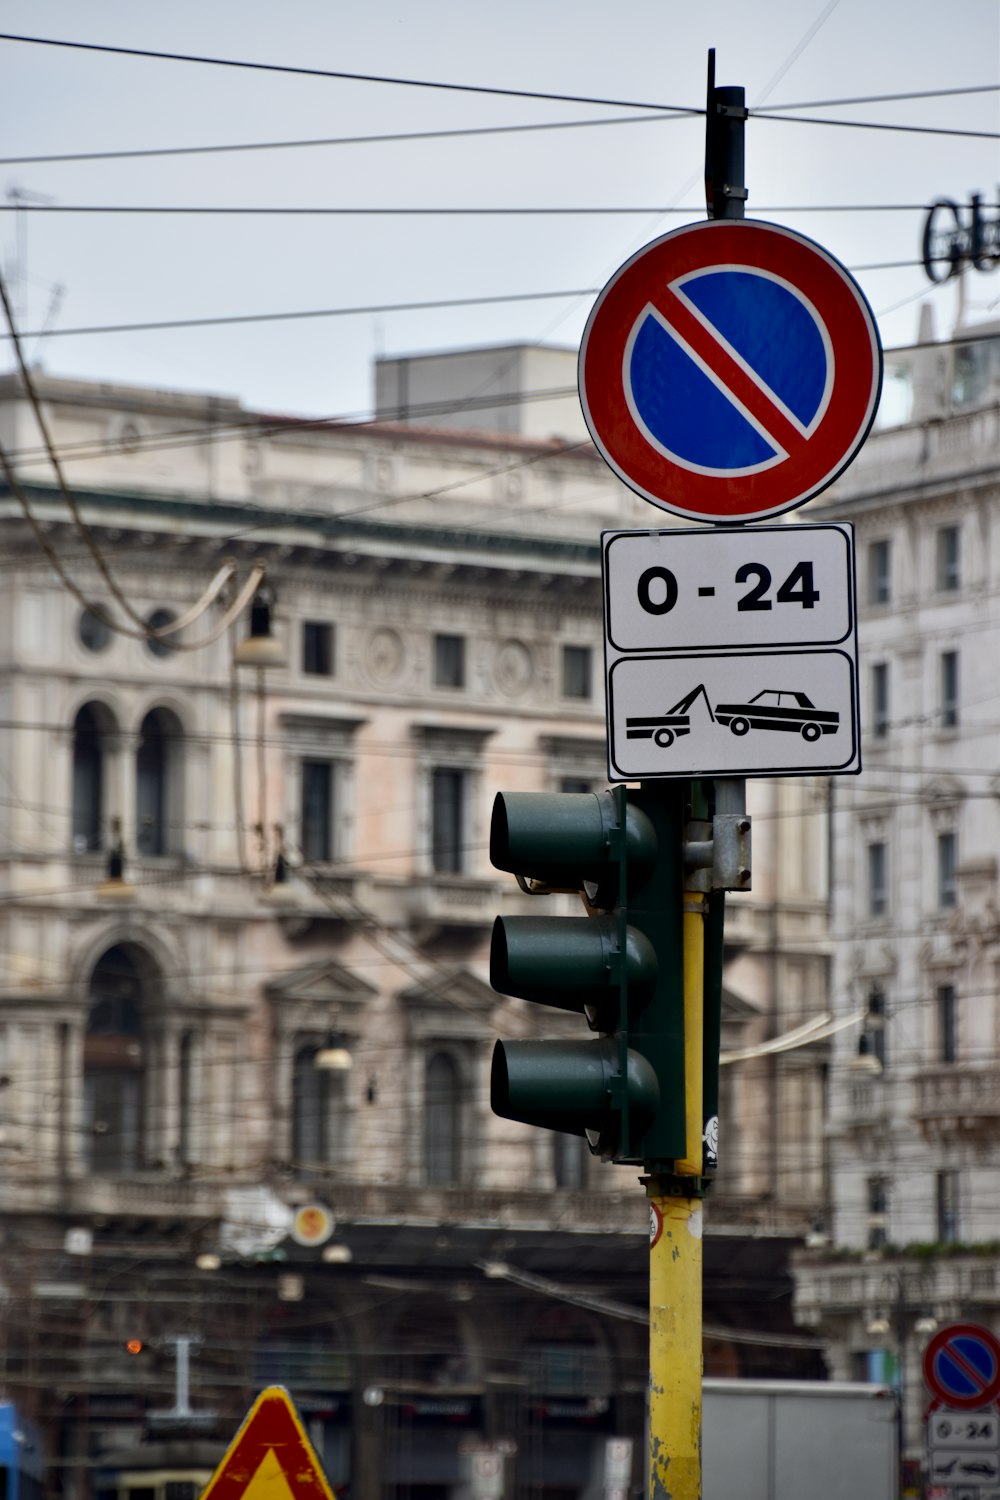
134,1346
620,968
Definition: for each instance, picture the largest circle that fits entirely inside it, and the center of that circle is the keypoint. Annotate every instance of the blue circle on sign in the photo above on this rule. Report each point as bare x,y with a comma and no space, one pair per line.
688,410
969,1370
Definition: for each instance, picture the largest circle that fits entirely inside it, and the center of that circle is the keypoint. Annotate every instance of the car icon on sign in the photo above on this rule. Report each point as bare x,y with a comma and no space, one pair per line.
773,709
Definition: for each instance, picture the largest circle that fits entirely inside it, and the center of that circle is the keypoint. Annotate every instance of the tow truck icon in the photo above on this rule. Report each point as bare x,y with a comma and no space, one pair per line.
771,709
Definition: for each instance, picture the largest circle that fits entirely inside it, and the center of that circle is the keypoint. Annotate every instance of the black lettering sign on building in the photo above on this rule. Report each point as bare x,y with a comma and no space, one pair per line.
949,243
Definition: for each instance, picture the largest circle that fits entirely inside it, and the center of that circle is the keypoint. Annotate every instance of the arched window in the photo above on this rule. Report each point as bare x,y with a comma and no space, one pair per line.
114,1061
442,1121
90,729
319,1105
158,765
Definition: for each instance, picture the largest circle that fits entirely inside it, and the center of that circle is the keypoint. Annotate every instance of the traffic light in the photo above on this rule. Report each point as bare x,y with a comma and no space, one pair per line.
620,967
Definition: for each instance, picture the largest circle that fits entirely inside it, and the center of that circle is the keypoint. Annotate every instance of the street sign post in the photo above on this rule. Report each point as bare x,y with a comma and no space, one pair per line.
962,1372
730,652
270,1456
962,1366
730,371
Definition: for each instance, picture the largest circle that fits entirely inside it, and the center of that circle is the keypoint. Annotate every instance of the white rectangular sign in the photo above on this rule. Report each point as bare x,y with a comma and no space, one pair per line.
731,651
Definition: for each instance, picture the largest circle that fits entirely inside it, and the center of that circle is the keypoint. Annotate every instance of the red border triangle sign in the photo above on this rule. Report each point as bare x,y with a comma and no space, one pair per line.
270,1458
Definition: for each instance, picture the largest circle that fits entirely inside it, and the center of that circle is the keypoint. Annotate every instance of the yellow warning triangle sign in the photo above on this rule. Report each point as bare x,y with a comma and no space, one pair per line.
270,1458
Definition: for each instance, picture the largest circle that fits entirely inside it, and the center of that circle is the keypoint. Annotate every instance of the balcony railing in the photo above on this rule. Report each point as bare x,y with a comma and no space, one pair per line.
959,1098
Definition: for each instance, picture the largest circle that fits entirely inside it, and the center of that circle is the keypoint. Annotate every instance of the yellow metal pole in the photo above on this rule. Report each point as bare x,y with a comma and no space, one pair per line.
675,1273
675,1261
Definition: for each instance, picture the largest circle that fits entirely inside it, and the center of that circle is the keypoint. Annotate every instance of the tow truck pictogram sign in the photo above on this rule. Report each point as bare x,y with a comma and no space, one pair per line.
730,651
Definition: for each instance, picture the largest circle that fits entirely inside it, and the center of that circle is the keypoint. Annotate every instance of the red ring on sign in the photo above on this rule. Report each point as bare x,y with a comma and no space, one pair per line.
939,1345
856,357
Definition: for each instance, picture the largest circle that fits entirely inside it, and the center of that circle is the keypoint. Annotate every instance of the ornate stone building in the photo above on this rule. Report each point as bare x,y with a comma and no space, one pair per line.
915,1087
246,917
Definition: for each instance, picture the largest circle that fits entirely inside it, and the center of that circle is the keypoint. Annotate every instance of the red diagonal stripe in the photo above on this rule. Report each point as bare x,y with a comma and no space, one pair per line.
726,370
974,1376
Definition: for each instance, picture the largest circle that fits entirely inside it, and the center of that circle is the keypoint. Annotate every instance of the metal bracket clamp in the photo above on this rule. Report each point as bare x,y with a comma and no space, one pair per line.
721,862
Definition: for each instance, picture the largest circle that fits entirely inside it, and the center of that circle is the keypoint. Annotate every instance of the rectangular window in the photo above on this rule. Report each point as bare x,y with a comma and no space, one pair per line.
878,896
947,861
449,661
947,1208
576,672
948,566
318,649
317,811
880,699
949,689
875,1026
575,784
879,575
878,1212
448,790
946,1023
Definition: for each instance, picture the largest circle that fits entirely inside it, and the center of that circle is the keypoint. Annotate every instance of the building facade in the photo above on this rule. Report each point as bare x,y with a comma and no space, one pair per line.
915,1089
246,924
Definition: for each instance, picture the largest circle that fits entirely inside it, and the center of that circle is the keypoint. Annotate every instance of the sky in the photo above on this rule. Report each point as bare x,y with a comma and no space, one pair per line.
77,270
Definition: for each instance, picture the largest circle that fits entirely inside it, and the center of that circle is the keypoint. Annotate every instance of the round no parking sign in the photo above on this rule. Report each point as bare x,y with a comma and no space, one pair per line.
730,370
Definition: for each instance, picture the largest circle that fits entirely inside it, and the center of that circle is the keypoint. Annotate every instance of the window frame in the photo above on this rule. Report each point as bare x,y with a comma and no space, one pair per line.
879,582
319,648
879,682
449,666
947,1192
443,1160
877,857
947,869
946,1005
318,847
449,857
949,688
582,658
948,559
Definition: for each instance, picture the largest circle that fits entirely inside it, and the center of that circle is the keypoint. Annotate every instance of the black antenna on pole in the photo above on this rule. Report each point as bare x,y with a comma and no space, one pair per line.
725,119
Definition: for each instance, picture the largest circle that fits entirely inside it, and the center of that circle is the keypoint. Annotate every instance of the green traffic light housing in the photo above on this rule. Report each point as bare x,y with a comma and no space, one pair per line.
575,1087
569,841
572,963
621,968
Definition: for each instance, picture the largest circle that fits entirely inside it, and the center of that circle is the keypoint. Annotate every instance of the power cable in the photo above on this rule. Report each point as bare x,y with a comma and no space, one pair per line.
461,88
392,137
432,305
423,210
978,88
304,72
979,135
145,631
264,426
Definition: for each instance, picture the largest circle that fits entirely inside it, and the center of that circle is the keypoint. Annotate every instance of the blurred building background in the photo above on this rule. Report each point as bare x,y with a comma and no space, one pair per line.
912,1238
245,1017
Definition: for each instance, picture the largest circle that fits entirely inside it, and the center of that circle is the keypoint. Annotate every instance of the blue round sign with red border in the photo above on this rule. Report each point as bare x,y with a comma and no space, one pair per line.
962,1366
730,370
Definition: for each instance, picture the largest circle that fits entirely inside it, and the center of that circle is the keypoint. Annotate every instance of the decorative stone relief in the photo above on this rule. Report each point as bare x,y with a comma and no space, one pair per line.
513,668
384,657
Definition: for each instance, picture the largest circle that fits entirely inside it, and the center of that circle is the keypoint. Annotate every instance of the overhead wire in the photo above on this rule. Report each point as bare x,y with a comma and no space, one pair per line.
394,137
300,71
264,425
458,132
911,95
396,81
369,309
424,210
145,630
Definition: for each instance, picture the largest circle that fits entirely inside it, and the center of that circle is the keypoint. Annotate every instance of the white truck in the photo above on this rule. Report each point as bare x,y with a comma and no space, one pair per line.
799,1440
